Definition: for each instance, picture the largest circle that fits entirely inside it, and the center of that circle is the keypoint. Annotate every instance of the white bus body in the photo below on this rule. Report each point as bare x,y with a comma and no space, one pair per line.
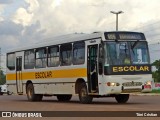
85,64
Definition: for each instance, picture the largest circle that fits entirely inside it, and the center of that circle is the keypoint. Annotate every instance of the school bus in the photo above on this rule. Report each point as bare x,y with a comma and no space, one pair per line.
100,64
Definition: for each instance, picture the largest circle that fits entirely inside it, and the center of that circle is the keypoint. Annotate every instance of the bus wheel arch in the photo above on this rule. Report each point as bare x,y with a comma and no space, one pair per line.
27,83
78,84
31,93
84,97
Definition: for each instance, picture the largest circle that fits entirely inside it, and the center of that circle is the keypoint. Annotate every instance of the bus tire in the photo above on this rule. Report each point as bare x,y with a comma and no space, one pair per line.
31,94
83,94
122,98
9,93
1,93
39,97
64,98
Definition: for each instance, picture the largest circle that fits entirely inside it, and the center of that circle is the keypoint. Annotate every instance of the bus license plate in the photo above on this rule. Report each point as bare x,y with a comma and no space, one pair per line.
127,84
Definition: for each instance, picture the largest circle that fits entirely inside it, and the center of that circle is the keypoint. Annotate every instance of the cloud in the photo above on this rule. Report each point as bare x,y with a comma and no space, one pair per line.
58,17
70,16
32,34
9,34
66,17
15,35
33,5
22,17
6,1
10,28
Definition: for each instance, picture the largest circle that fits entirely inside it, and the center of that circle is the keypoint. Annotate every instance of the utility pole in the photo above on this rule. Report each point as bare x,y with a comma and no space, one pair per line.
117,13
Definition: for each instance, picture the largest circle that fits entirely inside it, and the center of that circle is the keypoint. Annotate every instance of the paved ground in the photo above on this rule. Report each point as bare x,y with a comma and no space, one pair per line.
146,94
136,103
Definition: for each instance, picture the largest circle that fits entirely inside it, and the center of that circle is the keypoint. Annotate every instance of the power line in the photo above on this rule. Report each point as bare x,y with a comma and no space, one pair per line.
153,35
147,25
151,29
155,43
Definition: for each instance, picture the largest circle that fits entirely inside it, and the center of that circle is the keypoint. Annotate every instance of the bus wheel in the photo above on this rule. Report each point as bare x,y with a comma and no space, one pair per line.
31,95
9,93
64,97
1,93
122,98
39,97
83,94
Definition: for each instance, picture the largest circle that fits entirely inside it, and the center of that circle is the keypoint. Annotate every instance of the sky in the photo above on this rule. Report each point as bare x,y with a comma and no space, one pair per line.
25,22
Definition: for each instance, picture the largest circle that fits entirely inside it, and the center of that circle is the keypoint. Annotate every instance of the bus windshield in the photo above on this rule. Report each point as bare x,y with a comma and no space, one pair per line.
126,53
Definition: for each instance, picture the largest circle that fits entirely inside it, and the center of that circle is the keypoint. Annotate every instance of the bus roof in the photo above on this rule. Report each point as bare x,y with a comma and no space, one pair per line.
76,37
60,40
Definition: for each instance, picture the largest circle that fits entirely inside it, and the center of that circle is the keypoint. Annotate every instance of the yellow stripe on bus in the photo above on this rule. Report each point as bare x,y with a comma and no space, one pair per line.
10,76
69,73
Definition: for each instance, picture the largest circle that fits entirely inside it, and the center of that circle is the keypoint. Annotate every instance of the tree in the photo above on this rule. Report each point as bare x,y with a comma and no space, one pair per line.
2,78
156,74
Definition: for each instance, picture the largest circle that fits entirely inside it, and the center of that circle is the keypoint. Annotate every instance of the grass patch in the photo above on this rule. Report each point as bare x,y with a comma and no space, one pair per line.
156,91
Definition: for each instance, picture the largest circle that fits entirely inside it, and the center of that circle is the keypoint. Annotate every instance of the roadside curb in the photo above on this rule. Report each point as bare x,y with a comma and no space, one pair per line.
146,94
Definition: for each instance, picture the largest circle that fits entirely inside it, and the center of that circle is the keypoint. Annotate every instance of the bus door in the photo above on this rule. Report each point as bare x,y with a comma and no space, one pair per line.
19,74
92,73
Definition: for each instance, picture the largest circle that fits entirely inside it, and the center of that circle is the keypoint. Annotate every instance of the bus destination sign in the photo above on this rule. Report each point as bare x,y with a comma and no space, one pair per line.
124,36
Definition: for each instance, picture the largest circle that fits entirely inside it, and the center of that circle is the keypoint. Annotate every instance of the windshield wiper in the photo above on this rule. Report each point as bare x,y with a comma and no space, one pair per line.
135,43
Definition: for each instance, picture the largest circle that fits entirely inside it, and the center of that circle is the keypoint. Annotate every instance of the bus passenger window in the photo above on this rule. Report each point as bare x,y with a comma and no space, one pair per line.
78,53
29,59
66,54
53,56
41,57
11,61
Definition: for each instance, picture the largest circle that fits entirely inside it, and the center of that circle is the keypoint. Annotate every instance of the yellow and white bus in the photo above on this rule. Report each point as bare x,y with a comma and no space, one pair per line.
100,64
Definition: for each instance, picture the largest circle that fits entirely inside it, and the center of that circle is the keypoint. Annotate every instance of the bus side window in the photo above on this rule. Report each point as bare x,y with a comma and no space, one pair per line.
29,59
66,54
78,53
53,56
41,57
11,61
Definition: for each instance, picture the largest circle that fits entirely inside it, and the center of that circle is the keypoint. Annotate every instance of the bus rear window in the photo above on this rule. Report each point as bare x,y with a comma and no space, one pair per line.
11,61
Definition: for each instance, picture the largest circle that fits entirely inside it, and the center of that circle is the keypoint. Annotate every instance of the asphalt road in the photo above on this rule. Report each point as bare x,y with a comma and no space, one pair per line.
138,104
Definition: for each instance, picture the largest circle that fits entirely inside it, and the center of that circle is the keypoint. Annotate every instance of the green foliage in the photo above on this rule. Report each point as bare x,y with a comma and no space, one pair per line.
2,78
156,91
156,74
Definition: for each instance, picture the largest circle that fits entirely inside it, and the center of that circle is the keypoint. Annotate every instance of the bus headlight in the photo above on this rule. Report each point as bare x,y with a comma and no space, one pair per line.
148,83
112,84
